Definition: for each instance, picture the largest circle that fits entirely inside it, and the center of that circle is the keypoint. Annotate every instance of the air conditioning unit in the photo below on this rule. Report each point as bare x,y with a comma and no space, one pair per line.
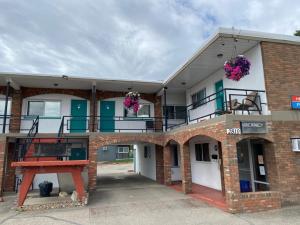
296,144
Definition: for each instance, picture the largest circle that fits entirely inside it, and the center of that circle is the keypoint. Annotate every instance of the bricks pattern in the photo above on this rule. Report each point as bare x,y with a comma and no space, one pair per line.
9,176
159,164
2,157
16,111
167,165
281,68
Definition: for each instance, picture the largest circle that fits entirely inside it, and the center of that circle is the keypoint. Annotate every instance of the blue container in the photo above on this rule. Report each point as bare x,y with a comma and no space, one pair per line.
245,186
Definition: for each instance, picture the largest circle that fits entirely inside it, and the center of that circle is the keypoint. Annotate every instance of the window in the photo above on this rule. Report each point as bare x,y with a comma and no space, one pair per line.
147,152
202,152
123,149
2,106
199,98
175,112
144,111
43,108
175,156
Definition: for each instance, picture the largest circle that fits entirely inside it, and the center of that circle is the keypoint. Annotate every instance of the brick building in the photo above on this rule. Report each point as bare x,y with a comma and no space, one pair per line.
197,128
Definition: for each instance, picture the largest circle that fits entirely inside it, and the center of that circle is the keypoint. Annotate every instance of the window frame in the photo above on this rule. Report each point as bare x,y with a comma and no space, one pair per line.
44,107
123,147
174,112
198,102
204,153
136,115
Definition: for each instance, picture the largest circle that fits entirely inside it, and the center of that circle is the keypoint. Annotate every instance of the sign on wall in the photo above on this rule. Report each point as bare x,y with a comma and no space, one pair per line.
295,102
253,127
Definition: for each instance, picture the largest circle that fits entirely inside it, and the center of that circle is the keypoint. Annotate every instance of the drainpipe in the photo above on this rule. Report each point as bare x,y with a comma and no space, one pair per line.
165,107
5,107
94,105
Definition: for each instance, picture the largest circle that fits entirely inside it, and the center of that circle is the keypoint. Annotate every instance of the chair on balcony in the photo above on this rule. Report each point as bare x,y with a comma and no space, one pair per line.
248,104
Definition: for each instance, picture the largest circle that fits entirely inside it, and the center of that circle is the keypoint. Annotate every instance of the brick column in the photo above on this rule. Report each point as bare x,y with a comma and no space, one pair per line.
167,165
92,118
231,173
9,176
158,113
186,168
16,111
159,164
2,159
92,169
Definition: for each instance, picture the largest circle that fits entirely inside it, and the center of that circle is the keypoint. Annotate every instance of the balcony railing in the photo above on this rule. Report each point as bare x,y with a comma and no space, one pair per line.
227,101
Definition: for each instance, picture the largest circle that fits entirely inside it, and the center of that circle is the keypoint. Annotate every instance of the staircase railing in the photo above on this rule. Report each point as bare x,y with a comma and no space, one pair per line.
29,138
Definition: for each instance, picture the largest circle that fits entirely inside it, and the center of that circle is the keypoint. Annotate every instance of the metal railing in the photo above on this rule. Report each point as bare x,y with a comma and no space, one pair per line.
226,101
21,152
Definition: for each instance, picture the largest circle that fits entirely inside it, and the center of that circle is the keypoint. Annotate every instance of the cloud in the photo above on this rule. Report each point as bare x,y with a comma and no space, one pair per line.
130,39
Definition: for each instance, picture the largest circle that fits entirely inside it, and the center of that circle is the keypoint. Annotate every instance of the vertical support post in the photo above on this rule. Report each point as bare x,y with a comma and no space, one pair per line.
167,165
5,107
186,168
165,107
94,106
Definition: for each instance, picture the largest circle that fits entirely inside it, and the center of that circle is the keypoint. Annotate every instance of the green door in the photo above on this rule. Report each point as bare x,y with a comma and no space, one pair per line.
78,154
107,114
219,96
78,112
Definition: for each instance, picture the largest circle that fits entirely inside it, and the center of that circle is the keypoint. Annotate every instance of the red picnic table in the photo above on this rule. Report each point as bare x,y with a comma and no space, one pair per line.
31,168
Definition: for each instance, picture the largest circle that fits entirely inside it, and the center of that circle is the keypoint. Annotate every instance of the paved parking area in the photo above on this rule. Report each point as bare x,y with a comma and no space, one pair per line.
127,198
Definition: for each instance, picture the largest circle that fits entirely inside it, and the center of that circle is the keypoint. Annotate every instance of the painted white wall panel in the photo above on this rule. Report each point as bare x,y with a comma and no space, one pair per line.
146,166
205,173
255,81
50,125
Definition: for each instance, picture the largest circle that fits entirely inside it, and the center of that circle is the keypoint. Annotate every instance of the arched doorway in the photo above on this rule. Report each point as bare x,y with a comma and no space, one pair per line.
206,162
255,159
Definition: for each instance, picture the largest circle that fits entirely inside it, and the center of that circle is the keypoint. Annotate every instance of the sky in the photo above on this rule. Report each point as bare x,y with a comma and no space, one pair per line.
125,39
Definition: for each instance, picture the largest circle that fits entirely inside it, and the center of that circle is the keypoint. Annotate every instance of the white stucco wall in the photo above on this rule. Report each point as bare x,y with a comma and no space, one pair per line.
255,81
145,166
205,173
127,123
50,125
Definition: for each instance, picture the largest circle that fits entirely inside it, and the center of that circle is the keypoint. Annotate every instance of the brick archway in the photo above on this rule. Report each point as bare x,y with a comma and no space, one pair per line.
97,140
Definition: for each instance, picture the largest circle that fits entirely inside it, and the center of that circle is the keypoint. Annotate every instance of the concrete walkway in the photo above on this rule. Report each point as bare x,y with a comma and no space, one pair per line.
127,198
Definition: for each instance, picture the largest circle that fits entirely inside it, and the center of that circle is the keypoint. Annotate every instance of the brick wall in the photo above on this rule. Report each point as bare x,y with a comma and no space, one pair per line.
281,68
16,111
9,176
159,164
2,158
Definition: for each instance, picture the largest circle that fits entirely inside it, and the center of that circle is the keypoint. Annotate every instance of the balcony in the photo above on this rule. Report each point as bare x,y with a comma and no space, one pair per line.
226,101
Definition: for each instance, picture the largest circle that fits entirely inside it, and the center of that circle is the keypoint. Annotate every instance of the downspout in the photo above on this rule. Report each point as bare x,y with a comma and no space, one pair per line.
165,107
5,107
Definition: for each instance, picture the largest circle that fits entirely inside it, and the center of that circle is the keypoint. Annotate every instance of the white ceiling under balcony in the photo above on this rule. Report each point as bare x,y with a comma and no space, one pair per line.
206,61
46,81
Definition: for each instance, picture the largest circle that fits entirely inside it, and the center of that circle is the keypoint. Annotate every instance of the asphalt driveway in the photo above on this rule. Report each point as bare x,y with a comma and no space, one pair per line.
127,198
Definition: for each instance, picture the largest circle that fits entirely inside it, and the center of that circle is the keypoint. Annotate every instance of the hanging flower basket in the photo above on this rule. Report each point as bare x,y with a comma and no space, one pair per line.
237,68
131,101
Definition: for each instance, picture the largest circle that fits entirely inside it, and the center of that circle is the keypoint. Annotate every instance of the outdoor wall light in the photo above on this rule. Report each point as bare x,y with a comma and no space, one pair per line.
295,144
183,83
220,55
55,84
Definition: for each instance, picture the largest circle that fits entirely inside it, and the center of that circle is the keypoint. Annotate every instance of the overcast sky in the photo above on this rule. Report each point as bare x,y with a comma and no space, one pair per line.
128,39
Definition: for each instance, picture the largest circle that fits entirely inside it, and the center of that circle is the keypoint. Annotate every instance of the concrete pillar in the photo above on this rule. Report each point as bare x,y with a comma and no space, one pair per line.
167,165
16,111
186,168
159,164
